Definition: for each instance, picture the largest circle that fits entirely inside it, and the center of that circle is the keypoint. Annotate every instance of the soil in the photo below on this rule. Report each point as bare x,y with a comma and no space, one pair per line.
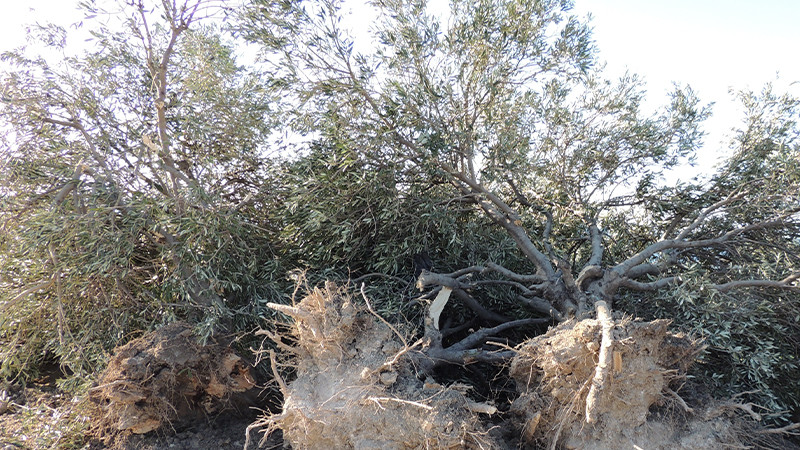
222,433
167,378
354,386
38,417
163,390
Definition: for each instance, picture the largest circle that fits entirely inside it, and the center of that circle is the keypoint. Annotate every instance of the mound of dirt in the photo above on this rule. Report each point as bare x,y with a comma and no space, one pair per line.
554,372
167,377
355,386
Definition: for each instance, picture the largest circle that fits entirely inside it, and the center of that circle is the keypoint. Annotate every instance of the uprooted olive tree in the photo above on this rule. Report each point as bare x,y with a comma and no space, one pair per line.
479,156
496,112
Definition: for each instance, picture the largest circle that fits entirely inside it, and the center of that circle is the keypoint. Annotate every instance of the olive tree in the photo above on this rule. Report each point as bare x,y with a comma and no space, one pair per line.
502,101
128,179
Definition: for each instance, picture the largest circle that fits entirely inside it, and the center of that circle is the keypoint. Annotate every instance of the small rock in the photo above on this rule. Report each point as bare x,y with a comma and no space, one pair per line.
388,378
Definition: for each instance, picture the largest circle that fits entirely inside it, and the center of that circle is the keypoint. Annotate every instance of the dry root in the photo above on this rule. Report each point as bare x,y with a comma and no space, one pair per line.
355,386
591,384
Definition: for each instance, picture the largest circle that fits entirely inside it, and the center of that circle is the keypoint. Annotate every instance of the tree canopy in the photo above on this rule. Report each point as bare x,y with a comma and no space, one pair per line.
485,153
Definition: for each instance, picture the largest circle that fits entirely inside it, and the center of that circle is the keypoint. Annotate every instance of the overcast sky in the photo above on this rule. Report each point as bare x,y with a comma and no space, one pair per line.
713,45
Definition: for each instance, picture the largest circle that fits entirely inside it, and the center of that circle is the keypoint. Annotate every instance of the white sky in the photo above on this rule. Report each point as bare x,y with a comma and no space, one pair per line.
713,45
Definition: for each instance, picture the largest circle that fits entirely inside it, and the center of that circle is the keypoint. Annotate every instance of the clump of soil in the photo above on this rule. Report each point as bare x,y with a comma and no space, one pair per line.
167,377
355,386
554,372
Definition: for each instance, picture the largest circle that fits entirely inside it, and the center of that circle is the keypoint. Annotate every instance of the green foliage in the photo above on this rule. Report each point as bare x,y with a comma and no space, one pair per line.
343,217
115,222
752,332
137,190
752,338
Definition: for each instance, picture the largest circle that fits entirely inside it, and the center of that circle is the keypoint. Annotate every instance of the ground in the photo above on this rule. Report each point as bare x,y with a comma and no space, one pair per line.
351,380
43,416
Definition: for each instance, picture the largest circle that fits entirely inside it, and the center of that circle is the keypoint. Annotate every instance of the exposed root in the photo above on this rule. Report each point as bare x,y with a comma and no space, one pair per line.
278,377
603,361
788,429
356,385
167,378
555,373
680,400
378,401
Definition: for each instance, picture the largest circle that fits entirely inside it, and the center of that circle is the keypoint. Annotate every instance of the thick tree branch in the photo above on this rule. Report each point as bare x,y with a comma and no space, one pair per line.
477,308
786,283
504,215
427,278
597,245
542,306
650,286
548,226
643,269
652,249
479,337
589,272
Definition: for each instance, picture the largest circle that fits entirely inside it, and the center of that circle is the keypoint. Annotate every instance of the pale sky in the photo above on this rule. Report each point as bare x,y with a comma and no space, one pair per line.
713,45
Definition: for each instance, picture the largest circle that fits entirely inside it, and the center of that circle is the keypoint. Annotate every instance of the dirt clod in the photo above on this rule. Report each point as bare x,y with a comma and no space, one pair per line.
167,377
553,373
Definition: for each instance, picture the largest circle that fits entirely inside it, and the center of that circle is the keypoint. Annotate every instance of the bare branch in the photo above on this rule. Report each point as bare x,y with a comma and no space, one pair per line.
70,185
26,292
515,276
479,337
651,286
520,286
705,213
427,278
660,246
467,270
786,283
77,125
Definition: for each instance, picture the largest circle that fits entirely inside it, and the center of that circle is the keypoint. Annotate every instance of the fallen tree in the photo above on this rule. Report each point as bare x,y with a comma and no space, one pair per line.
356,381
499,113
